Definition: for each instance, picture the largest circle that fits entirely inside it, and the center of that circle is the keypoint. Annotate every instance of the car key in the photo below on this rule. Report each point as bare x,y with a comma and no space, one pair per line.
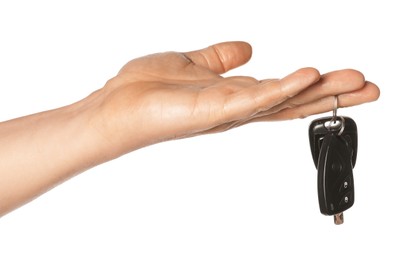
320,127
333,142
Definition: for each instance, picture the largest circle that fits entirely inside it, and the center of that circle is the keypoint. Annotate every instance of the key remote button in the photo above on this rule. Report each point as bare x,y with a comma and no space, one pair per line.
347,184
346,200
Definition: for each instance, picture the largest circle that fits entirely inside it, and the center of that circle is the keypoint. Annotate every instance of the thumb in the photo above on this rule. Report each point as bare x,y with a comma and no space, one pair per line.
222,57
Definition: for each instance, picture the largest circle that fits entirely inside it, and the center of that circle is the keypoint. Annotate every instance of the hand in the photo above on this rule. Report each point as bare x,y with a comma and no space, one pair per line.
155,98
175,95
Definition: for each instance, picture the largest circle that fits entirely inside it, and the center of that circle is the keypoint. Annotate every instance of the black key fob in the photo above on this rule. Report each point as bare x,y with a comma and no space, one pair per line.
333,143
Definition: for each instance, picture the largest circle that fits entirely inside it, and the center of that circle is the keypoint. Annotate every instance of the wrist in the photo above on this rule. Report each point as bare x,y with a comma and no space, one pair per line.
88,130
40,151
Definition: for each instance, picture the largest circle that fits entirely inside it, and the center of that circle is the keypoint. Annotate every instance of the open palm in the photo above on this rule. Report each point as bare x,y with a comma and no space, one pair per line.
174,95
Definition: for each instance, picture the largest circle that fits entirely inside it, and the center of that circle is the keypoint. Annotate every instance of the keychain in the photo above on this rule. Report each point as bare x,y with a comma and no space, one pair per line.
334,143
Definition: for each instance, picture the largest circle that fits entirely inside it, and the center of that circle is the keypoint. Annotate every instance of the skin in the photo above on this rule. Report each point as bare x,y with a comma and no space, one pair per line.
155,98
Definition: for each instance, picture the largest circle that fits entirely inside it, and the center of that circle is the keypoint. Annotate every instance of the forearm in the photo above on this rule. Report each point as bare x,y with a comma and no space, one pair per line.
39,151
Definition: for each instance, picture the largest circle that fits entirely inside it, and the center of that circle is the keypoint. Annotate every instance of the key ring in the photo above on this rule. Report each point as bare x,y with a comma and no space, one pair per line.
335,105
333,125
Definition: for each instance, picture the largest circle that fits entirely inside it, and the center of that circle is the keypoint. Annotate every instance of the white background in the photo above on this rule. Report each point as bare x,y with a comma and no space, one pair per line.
246,194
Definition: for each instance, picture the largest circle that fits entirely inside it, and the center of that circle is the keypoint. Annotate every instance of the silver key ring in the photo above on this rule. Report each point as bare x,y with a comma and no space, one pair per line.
335,105
332,124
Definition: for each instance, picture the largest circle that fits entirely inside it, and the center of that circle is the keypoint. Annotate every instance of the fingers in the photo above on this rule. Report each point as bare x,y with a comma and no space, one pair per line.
367,93
221,57
370,92
330,84
348,85
263,96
